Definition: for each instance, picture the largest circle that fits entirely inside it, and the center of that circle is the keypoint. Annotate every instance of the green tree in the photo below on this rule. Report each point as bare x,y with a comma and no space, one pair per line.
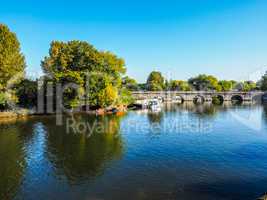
249,85
142,86
80,63
233,83
263,82
3,101
12,61
129,83
246,86
226,85
125,97
26,92
178,85
155,81
204,82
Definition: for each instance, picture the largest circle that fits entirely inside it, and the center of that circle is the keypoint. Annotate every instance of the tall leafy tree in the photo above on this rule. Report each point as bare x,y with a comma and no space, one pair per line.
26,92
263,82
249,85
226,85
79,62
129,83
179,85
12,61
204,82
155,81
246,86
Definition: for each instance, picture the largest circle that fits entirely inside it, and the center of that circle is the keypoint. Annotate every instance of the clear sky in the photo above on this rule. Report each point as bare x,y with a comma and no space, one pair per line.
181,38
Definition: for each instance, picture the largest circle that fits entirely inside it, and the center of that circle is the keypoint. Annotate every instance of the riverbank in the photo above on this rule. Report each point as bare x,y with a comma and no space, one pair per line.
7,117
24,113
14,114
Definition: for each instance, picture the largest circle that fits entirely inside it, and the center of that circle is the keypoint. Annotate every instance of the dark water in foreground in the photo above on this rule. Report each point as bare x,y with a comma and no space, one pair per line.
184,152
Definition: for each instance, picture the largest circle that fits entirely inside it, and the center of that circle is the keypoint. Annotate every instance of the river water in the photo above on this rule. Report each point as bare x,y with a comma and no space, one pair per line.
181,152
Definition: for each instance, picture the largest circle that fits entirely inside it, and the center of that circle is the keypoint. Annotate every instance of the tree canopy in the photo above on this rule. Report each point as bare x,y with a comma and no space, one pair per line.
204,82
226,85
155,81
79,62
129,83
12,61
263,82
179,85
26,92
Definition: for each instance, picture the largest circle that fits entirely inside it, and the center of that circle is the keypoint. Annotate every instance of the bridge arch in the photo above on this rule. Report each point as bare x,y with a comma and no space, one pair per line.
264,98
199,99
237,99
161,99
178,99
257,98
217,99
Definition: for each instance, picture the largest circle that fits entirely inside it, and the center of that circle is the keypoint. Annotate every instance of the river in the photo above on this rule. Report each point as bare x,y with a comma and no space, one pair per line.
181,152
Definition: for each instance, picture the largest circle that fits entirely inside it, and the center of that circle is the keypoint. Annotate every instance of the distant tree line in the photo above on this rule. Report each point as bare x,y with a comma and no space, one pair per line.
99,76
202,82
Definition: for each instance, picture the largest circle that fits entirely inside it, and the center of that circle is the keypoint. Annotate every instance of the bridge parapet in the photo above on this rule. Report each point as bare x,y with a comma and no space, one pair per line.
191,95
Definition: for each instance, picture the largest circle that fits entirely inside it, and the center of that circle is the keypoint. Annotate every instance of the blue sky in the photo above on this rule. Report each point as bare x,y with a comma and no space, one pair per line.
225,38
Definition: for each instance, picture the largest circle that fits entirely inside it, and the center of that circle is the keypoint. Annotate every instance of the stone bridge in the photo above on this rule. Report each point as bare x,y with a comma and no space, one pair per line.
198,95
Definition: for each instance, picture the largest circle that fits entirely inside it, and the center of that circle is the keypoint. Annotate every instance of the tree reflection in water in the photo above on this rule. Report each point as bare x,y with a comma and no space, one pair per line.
80,156
202,110
13,155
264,105
39,158
208,109
155,117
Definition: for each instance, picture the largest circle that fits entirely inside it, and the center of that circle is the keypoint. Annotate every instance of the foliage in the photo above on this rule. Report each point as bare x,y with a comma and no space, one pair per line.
3,101
178,85
101,92
12,61
204,82
249,86
216,100
129,83
226,85
108,96
246,86
125,97
233,83
142,86
263,82
155,81
26,92
80,63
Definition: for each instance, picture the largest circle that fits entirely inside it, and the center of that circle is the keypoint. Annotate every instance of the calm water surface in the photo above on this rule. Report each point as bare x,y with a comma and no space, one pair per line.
184,152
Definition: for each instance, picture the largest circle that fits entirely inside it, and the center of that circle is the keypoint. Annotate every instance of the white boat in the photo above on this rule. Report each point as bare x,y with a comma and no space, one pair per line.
155,105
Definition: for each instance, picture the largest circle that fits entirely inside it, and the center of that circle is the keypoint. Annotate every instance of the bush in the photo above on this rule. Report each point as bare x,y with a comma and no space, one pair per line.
3,101
26,92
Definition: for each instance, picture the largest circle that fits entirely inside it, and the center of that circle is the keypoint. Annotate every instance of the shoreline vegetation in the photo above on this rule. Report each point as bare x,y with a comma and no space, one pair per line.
76,69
